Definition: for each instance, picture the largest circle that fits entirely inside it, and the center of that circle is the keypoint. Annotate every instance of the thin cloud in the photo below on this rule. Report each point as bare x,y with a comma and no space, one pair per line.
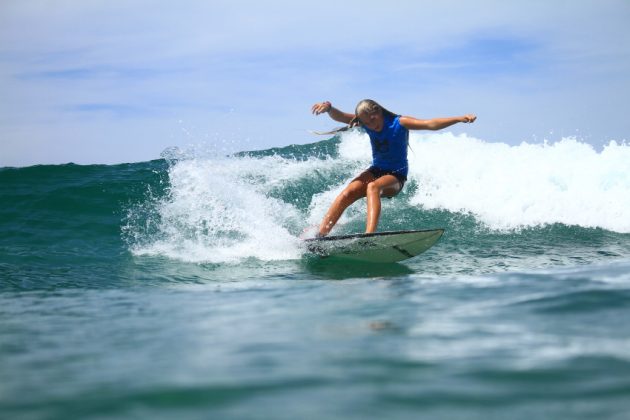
251,70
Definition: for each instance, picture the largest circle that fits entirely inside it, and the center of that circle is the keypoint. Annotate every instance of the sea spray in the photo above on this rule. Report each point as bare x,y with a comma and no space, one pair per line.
213,212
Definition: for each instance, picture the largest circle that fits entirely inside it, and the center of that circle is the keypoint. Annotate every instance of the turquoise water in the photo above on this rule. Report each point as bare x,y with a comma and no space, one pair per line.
178,288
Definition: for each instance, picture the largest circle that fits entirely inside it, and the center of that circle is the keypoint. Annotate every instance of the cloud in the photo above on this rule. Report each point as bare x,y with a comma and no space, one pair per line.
251,70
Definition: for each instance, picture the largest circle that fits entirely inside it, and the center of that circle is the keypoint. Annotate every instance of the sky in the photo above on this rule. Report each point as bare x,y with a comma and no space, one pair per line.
120,81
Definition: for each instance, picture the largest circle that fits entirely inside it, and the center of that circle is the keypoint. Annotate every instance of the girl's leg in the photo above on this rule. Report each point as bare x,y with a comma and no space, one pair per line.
354,191
387,186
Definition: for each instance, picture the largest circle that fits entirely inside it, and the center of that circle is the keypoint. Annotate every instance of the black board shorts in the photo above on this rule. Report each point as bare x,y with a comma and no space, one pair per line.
378,172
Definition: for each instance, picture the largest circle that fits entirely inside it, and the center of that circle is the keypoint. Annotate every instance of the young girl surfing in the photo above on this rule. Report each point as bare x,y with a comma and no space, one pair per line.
389,137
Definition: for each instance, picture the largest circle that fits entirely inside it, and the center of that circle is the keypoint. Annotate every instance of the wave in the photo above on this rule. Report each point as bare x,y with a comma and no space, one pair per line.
565,200
256,204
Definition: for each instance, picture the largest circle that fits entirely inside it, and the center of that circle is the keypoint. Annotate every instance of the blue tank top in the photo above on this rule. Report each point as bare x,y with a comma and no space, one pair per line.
389,146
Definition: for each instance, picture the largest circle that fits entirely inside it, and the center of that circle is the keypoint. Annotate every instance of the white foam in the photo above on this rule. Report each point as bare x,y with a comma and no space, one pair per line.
355,147
527,185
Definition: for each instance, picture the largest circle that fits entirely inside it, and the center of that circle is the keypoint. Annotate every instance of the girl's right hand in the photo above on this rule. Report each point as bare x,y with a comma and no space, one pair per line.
321,107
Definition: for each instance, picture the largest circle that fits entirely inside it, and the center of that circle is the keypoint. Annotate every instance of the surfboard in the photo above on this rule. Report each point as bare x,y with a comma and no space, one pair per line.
379,247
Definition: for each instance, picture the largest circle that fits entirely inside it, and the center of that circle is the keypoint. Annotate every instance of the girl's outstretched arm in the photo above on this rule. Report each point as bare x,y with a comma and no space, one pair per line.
411,123
334,113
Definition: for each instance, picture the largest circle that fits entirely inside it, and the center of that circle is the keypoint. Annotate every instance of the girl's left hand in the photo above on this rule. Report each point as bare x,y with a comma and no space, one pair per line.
469,118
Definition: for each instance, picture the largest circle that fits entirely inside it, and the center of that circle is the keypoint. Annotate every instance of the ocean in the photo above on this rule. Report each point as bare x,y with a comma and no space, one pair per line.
180,288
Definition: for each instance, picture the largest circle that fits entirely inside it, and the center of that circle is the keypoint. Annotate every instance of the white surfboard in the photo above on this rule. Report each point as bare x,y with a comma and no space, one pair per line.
380,247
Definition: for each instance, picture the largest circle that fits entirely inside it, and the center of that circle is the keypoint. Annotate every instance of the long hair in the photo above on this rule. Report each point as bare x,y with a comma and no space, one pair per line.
366,105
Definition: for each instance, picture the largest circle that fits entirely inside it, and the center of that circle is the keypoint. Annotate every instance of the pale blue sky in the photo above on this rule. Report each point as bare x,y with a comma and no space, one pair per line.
120,81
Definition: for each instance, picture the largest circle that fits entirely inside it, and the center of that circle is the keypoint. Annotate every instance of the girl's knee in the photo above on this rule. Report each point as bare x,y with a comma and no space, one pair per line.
373,188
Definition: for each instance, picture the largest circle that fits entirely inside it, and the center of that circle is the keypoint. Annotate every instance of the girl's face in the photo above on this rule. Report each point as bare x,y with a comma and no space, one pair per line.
372,120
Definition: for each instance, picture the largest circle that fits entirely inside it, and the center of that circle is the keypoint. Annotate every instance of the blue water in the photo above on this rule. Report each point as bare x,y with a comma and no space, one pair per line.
178,288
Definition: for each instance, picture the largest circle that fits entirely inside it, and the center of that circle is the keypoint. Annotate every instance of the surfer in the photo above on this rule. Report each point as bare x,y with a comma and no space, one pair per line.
389,137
